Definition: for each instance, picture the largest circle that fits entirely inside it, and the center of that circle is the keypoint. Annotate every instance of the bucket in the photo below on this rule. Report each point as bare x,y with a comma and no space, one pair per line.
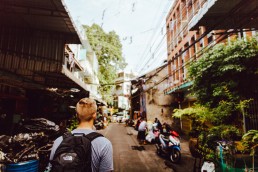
2,168
28,166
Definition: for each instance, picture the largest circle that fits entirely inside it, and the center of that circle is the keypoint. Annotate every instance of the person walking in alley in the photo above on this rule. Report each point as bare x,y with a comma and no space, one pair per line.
142,130
83,149
157,122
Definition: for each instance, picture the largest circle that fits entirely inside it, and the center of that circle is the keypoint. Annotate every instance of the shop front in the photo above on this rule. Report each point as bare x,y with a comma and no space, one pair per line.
36,72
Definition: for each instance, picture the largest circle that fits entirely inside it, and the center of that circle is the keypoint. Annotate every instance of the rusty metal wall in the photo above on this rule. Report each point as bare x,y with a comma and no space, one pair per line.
33,50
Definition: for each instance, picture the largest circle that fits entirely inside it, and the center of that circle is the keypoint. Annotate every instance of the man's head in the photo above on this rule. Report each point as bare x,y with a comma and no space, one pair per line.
86,109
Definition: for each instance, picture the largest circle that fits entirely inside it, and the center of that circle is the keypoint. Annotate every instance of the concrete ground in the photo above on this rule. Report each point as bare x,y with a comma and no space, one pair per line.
126,159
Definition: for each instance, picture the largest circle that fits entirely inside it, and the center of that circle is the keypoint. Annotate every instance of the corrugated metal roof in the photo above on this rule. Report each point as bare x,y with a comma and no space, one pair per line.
49,15
33,34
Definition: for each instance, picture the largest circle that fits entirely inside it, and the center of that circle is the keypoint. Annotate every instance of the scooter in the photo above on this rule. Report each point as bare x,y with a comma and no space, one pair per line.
169,146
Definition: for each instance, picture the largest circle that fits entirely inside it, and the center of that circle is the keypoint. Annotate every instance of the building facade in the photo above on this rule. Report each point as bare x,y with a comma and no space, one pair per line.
193,25
122,90
41,75
158,105
87,58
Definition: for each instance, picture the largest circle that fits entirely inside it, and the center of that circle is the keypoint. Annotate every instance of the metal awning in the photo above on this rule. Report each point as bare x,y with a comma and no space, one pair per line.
225,14
33,36
45,15
38,80
178,88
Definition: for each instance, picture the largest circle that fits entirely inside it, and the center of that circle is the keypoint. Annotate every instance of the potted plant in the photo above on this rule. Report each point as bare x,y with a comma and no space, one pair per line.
198,115
250,142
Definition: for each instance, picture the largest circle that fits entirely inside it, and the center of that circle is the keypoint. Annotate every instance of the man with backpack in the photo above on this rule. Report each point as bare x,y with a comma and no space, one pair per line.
83,149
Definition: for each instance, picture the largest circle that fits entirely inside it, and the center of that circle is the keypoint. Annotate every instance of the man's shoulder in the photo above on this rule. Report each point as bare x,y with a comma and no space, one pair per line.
101,140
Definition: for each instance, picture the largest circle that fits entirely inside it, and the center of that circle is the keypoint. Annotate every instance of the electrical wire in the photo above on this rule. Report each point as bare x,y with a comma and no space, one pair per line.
176,36
198,54
144,55
202,36
207,31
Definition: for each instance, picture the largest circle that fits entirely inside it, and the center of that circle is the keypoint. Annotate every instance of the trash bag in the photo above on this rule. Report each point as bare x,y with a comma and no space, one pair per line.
33,142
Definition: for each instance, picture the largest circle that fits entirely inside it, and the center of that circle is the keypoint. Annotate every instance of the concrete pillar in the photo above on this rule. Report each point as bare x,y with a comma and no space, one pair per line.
197,44
205,39
180,74
186,60
192,48
177,67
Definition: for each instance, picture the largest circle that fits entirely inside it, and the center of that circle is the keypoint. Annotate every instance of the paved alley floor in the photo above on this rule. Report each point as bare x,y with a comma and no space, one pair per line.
126,159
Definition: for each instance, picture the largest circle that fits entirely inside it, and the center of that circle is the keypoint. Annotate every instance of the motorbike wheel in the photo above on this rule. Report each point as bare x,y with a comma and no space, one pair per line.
175,156
158,150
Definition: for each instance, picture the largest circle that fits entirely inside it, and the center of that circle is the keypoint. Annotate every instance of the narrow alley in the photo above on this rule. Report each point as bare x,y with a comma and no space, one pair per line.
126,159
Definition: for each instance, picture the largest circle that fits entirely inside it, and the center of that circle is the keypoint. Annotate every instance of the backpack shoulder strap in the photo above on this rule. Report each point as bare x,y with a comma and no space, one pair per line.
93,135
67,134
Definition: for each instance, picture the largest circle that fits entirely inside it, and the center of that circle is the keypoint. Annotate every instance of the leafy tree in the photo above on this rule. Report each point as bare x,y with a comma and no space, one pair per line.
250,141
108,49
225,79
226,73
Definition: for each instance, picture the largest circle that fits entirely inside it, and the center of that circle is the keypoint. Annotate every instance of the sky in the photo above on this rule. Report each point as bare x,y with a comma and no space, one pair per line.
140,25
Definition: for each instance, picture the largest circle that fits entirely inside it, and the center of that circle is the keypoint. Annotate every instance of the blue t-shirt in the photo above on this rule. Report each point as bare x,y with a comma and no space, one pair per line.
101,155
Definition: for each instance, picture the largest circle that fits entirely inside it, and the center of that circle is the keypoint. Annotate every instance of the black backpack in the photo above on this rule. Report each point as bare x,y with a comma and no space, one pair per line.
74,153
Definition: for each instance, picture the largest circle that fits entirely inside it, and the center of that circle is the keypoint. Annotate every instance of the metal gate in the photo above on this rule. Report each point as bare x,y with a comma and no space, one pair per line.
251,119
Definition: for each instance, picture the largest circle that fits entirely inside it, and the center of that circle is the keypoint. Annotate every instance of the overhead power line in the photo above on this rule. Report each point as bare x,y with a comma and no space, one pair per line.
144,55
203,50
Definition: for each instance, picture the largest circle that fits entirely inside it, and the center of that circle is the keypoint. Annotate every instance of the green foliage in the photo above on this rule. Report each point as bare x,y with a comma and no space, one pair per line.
197,112
208,142
108,49
226,68
73,123
224,81
250,141
198,115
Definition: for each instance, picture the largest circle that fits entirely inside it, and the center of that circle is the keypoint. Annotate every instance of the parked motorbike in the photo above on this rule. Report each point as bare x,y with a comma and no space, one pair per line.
169,146
129,122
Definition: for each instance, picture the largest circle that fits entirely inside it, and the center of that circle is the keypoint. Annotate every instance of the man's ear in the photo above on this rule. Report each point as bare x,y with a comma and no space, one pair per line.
77,117
94,115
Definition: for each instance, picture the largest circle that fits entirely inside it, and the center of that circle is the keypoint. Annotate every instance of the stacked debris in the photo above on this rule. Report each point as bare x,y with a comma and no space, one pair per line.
33,142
